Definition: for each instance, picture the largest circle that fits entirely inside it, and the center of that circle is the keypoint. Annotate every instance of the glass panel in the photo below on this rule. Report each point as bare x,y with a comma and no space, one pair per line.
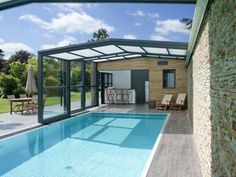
66,56
54,103
177,51
75,73
88,74
116,58
90,96
107,56
53,72
108,49
87,53
101,60
109,78
75,94
133,56
132,48
156,50
75,78
170,80
54,87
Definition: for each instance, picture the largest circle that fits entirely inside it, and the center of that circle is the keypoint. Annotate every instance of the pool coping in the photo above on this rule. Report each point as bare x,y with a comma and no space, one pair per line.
154,149
35,127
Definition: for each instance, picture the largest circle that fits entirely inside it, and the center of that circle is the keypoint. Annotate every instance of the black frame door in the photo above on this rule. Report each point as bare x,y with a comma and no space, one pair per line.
138,78
106,80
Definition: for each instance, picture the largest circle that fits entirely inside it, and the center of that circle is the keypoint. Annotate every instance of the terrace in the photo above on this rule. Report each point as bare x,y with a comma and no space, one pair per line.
199,141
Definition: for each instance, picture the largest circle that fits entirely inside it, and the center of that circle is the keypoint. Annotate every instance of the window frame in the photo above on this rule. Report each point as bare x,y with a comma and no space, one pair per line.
164,71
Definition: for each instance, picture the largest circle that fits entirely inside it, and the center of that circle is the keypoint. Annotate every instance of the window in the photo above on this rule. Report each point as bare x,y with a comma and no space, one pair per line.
107,80
169,78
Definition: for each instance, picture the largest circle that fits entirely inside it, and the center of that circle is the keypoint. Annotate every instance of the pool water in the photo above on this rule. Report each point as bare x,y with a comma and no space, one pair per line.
90,145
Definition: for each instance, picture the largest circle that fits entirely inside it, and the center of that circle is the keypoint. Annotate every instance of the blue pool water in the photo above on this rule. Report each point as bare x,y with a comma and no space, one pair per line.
91,145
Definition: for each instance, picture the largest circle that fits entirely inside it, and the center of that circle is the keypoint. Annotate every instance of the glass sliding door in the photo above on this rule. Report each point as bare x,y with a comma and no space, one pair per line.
55,88
65,87
76,85
91,94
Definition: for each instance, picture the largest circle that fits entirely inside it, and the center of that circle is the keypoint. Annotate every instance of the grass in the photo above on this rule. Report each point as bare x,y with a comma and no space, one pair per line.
75,96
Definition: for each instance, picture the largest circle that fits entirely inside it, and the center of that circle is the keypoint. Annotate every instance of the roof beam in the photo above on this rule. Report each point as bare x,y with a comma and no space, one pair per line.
6,4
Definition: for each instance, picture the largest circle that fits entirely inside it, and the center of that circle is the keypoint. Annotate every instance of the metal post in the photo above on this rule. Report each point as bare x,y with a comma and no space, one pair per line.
102,89
68,95
83,85
95,78
40,88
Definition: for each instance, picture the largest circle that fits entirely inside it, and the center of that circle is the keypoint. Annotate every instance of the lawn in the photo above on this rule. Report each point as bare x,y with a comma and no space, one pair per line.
75,96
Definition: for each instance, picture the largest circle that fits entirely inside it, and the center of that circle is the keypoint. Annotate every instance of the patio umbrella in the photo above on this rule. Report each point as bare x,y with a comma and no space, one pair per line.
30,84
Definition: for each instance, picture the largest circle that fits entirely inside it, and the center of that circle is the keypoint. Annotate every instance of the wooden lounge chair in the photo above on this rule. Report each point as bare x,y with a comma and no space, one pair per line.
179,104
165,103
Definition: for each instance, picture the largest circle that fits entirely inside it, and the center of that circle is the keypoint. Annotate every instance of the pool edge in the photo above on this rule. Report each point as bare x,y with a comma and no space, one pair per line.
154,149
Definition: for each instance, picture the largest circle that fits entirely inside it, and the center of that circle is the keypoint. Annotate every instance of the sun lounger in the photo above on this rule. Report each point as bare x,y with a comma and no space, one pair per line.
165,102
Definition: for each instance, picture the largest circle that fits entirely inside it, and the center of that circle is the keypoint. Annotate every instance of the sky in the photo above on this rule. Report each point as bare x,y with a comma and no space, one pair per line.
35,27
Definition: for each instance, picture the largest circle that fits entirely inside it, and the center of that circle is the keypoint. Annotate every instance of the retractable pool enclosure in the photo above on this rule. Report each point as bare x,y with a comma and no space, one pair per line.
68,79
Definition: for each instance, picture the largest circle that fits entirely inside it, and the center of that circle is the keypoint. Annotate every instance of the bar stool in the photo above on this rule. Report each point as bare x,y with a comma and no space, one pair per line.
110,96
125,96
119,96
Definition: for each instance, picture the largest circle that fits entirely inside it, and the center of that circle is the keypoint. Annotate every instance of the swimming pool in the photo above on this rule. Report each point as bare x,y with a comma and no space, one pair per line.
89,145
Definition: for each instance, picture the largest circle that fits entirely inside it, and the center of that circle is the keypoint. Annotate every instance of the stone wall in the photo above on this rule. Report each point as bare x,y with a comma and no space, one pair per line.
156,90
212,90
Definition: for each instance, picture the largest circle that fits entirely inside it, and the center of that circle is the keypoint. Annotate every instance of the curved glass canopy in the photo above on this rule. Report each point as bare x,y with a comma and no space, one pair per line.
118,49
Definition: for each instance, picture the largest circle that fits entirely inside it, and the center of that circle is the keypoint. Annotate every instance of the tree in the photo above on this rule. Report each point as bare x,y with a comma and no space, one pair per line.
21,55
19,71
188,22
8,84
100,34
1,54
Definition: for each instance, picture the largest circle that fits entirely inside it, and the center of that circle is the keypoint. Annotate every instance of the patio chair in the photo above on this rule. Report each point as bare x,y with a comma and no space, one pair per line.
110,96
16,107
165,103
179,104
23,95
35,101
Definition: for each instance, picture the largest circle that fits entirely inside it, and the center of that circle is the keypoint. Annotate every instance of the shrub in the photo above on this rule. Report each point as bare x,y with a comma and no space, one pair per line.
19,70
19,90
51,81
75,76
7,84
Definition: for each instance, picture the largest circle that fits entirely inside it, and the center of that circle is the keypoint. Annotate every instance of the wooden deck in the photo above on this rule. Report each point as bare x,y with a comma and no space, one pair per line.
176,153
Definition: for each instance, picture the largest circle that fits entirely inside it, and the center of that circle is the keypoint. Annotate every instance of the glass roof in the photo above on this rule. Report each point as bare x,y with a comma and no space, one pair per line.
86,53
66,56
156,50
177,52
109,49
132,48
118,49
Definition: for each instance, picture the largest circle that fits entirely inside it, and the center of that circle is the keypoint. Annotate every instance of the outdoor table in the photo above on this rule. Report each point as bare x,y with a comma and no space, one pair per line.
19,100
